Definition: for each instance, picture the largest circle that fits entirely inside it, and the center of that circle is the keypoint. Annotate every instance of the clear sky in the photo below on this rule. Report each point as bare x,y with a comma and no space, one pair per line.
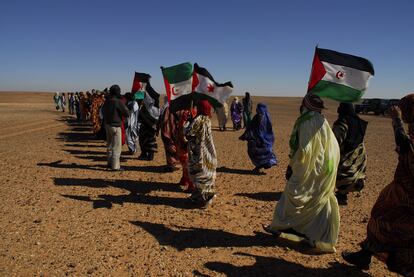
265,47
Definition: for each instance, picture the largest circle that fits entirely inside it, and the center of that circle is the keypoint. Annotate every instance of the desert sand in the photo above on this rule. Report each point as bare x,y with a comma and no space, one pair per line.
63,214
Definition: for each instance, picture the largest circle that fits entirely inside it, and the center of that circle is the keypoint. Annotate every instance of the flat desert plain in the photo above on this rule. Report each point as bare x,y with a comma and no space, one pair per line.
63,214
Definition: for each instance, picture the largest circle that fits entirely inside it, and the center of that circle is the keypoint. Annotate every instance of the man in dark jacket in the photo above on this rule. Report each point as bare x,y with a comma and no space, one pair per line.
113,110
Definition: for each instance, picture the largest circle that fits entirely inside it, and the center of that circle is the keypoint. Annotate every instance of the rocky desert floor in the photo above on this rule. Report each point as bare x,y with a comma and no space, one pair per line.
64,214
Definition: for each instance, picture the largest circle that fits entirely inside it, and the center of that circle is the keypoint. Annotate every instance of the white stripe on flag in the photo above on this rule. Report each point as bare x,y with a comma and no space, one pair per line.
347,76
219,93
181,88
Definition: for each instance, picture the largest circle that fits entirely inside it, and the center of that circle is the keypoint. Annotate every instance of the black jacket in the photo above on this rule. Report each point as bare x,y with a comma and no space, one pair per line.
113,110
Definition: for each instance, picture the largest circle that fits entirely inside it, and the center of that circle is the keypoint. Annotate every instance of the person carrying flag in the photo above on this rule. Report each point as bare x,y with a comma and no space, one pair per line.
168,124
308,208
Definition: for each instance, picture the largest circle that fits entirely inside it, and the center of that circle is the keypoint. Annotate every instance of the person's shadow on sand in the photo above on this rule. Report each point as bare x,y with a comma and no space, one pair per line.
59,164
194,237
224,169
182,238
270,266
263,196
107,200
139,191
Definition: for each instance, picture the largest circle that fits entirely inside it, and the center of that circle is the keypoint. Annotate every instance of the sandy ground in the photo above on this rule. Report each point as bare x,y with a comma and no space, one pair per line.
63,214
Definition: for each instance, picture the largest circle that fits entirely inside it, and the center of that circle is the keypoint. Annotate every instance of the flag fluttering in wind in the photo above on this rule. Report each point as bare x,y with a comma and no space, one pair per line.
178,85
139,85
339,76
205,87
142,88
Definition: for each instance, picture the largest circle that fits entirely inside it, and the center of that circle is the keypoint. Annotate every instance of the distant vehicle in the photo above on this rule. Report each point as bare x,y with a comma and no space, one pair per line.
369,105
376,106
361,108
394,102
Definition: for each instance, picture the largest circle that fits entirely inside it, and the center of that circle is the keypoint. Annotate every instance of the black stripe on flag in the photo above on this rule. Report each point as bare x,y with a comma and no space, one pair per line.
142,77
182,103
153,94
202,71
333,57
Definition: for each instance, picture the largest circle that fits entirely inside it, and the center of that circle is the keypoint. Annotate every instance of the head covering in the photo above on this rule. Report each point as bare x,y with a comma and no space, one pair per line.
261,109
203,108
264,128
313,102
346,109
115,90
407,107
247,94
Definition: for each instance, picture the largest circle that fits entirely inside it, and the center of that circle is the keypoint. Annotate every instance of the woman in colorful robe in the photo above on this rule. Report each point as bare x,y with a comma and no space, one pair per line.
390,231
148,115
260,139
57,99
168,124
132,124
308,209
349,131
182,150
97,102
202,158
236,110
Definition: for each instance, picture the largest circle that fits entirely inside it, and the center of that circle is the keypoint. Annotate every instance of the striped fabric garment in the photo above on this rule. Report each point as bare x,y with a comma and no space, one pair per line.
352,164
202,158
391,226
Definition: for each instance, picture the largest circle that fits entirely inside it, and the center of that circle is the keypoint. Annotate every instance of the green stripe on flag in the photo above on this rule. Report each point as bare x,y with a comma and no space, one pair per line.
336,92
178,73
213,101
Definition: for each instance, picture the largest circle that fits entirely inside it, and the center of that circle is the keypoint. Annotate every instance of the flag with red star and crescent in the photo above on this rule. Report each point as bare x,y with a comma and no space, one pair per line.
339,76
177,80
205,87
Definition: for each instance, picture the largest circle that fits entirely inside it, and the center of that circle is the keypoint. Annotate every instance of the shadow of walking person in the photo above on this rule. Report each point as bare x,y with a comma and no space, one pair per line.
270,266
183,238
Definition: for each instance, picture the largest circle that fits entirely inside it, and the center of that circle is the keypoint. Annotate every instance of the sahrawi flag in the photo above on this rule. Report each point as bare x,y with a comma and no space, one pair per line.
142,88
205,87
139,85
178,80
338,76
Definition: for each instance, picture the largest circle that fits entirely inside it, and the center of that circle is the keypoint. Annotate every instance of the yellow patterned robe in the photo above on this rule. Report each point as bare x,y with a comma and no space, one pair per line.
308,204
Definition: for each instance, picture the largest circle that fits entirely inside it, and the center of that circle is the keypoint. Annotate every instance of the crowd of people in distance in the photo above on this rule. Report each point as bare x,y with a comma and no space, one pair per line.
325,164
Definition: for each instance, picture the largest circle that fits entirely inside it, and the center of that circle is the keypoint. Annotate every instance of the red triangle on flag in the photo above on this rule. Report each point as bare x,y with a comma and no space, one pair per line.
195,82
318,71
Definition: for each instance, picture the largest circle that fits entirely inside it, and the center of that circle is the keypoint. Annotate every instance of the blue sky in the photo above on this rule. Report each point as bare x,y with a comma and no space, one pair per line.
265,47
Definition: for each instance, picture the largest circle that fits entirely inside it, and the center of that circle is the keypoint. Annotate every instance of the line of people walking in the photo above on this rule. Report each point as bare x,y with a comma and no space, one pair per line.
325,165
